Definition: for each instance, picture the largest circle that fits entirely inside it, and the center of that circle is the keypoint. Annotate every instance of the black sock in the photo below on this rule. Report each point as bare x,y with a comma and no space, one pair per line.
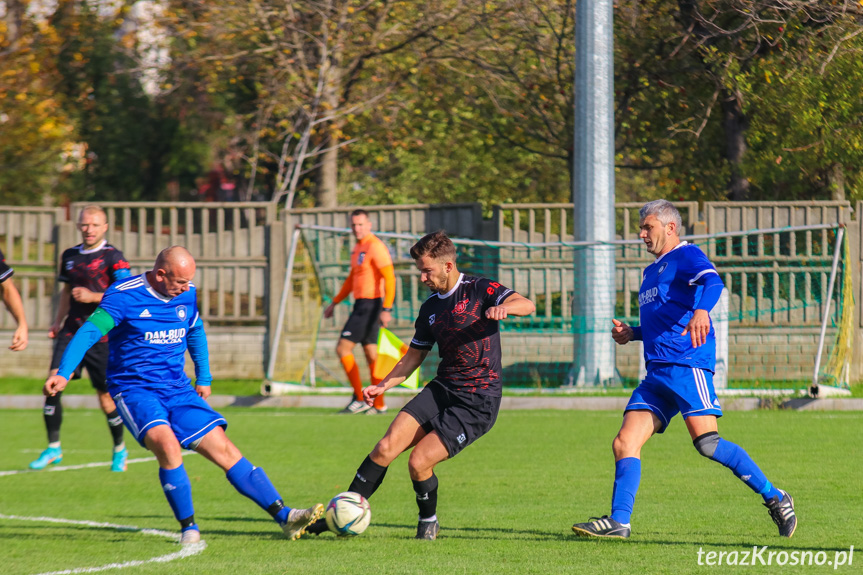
187,522
53,414
276,508
426,491
115,424
318,527
369,477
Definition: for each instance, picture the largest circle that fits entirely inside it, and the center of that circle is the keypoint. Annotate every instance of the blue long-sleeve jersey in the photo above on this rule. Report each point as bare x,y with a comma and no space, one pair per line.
672,288
149,335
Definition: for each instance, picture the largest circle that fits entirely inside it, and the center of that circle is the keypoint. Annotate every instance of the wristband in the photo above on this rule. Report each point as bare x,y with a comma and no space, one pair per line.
389,309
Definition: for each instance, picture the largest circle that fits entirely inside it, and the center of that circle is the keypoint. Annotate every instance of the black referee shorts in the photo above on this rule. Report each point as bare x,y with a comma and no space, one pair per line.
459,418
95,360
365,321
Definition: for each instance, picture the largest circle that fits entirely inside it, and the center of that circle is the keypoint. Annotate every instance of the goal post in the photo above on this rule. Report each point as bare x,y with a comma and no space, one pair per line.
296,331
835,375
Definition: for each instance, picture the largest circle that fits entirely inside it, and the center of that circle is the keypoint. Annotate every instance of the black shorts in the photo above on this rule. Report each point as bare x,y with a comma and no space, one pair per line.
365,321
459,418
95,360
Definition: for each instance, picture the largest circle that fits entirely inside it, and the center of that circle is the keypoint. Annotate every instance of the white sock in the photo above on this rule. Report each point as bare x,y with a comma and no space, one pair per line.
55,445
429,519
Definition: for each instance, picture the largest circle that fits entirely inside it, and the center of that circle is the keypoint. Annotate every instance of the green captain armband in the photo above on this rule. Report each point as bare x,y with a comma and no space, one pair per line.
102,320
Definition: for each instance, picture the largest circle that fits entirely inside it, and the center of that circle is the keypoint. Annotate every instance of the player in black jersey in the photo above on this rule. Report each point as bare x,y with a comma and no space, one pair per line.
12,300
461,403
86,271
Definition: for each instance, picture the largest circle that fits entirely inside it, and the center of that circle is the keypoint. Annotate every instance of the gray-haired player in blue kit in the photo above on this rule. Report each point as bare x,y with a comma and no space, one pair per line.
678,290
153,319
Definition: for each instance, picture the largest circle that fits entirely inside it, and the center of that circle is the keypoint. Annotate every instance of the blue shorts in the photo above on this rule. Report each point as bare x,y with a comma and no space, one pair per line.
189,416
672,389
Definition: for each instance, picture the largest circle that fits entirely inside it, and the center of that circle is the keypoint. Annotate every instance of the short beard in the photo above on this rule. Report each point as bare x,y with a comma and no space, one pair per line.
440,289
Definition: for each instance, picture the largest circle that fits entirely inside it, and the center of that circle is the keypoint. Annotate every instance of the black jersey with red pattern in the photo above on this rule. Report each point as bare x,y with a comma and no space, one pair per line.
5,271
95,269
468,342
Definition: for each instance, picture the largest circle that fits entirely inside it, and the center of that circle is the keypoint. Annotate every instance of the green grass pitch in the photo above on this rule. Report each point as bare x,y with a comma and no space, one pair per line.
506,504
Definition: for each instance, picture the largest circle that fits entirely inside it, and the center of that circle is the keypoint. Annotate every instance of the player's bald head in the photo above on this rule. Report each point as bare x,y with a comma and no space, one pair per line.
173,271
93,210
175,259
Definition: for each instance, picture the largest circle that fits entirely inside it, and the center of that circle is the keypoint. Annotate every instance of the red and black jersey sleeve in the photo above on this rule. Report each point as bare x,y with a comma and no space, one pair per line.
5,271
118,267
423,335
492,293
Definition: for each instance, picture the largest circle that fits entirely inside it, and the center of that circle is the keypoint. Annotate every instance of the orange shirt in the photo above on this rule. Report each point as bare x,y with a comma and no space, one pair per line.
371,272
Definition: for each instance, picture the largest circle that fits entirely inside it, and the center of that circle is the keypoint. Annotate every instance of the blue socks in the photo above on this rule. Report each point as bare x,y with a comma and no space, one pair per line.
252,482
738,461
249,480
178,491
627,476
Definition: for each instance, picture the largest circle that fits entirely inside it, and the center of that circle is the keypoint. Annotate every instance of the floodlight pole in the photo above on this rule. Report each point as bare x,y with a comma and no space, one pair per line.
593,193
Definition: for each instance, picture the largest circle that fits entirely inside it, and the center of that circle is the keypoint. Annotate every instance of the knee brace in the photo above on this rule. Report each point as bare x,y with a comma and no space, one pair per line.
706,444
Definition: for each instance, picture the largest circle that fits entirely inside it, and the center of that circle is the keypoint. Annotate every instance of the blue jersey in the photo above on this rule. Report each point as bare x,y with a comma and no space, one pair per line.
668,297
148,343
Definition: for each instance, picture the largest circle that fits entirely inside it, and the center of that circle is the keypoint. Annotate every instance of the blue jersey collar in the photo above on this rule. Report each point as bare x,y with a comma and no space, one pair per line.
680,245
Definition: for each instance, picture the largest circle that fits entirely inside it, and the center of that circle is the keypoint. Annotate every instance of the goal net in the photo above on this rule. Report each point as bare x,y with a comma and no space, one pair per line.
788,295
300,312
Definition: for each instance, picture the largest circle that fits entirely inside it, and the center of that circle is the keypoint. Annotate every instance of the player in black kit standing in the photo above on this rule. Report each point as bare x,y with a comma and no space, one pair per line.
86,271
460,404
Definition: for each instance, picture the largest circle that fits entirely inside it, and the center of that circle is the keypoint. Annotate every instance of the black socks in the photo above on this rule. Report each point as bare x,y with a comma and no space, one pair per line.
369,477
426,491
53,414
115,424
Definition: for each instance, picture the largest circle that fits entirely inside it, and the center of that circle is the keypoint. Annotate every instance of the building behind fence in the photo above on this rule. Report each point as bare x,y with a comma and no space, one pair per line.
241,250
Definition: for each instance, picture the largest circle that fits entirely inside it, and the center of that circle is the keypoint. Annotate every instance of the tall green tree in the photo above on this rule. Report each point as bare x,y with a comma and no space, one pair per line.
686,85
311,66
37,136
137,142
436,147
806,130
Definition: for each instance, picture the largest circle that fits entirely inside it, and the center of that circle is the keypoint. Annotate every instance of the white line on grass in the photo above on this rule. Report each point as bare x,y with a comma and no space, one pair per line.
81,465
186,551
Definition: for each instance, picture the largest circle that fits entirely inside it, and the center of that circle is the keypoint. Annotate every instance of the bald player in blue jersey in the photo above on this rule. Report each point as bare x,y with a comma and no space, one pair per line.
153,319
677,293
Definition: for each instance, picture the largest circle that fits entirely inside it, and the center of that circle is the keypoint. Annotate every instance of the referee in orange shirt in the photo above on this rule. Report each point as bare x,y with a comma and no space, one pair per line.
373,284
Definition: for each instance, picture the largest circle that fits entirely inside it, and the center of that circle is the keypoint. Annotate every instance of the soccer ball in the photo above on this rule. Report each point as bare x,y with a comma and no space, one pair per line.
348,513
